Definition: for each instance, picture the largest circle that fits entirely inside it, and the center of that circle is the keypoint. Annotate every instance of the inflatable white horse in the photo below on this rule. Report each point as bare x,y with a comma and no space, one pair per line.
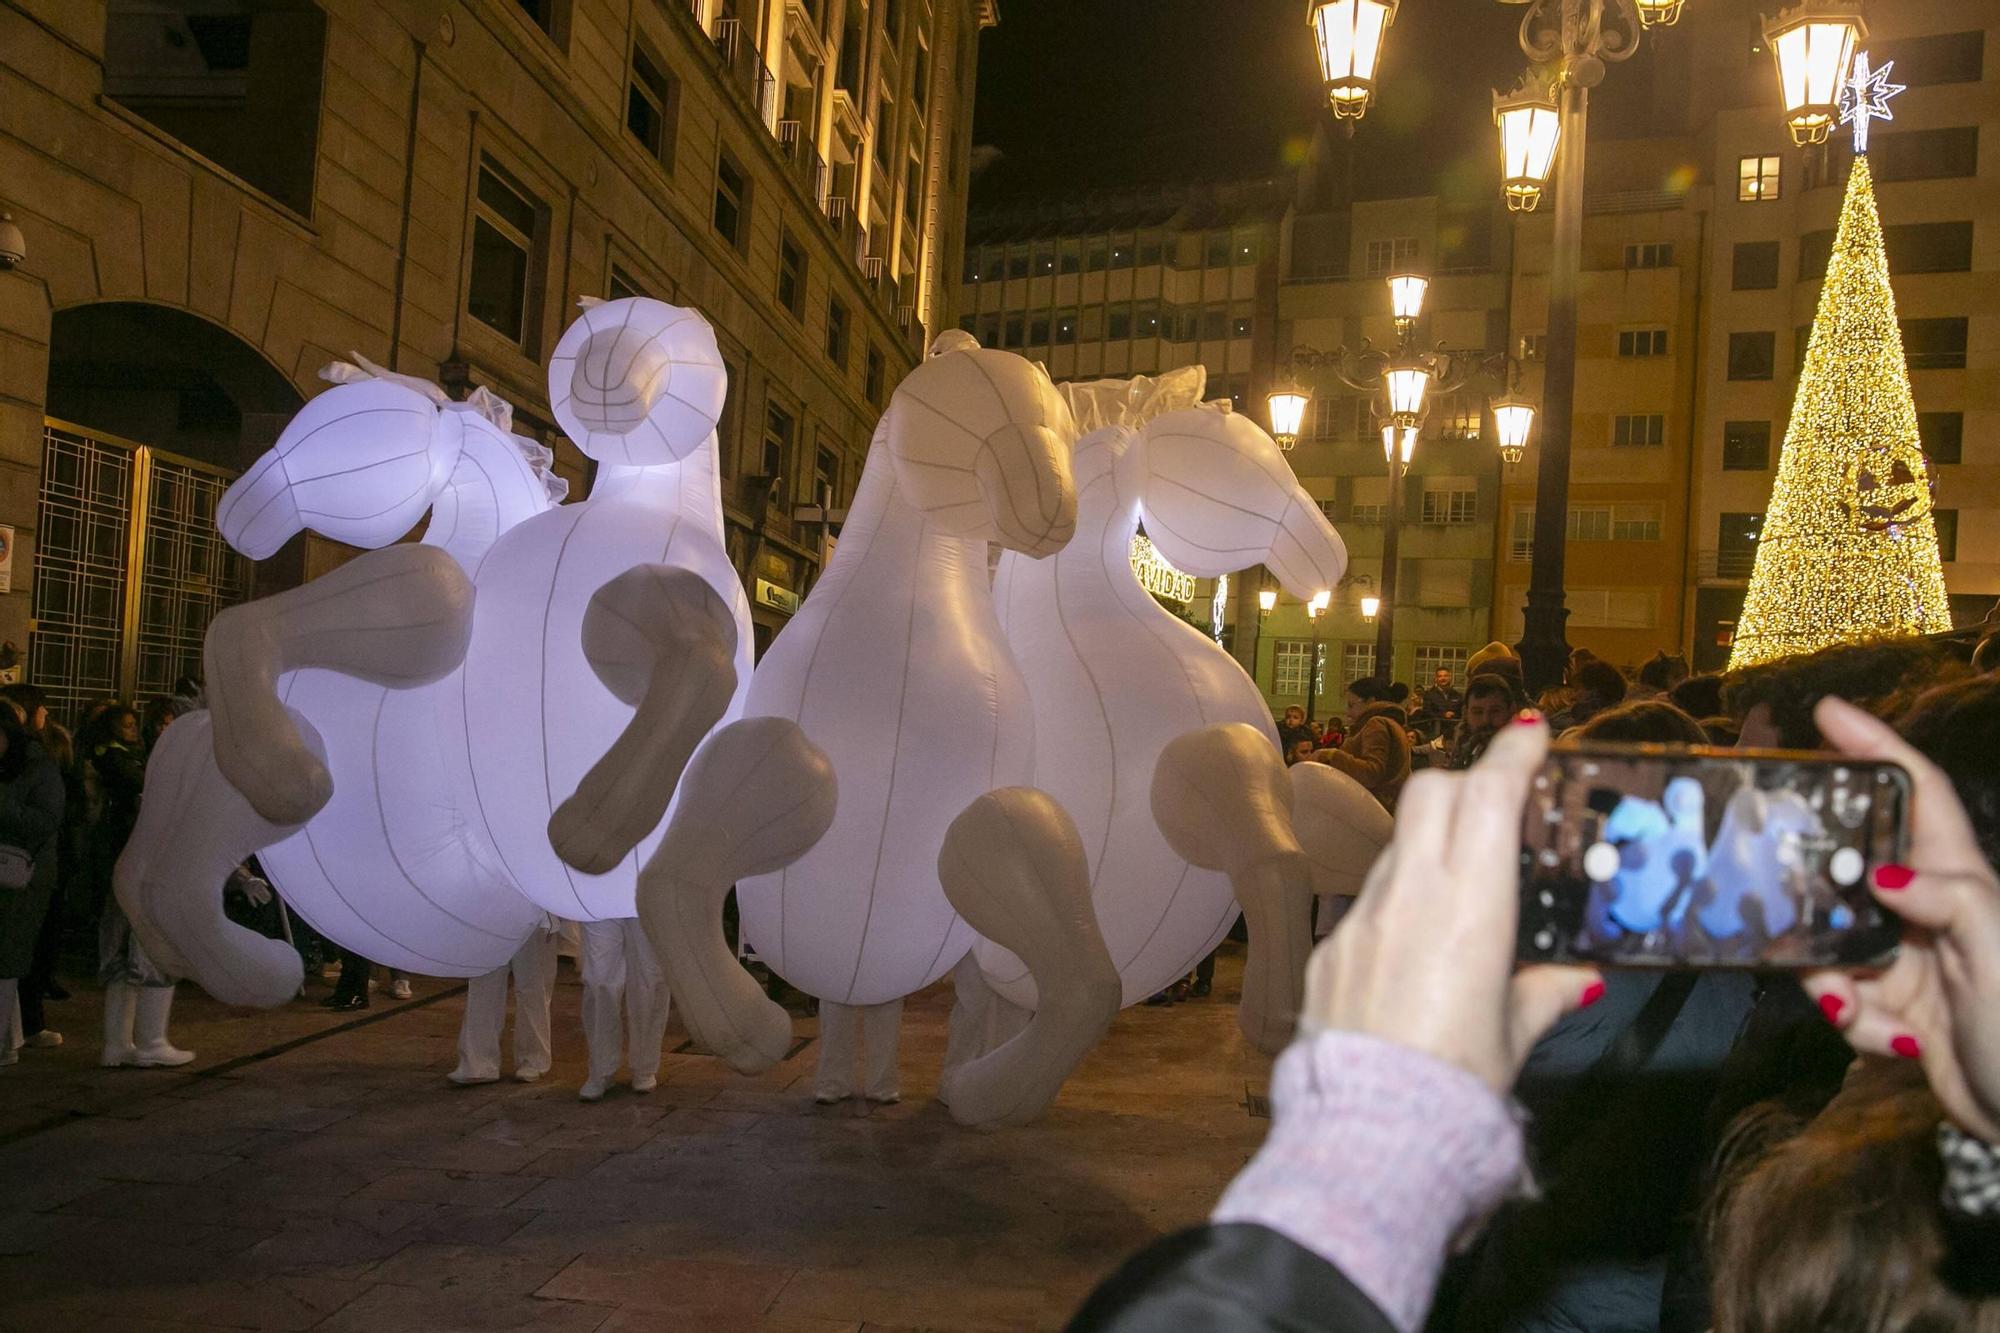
1115,676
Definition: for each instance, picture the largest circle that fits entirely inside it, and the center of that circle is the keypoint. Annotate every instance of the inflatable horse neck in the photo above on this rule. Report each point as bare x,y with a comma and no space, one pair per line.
690,489
1107,507
885,528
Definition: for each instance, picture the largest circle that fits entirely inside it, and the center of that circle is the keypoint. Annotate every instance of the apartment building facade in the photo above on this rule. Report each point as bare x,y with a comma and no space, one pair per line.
219,197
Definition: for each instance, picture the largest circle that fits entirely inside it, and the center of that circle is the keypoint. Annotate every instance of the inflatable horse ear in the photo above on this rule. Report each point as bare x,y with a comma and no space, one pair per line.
996,410
637,381
1216,496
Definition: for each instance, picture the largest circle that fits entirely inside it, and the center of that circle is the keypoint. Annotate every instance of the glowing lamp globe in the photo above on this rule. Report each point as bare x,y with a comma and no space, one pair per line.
1267,600
1320,601
1347,36
1390,435
1530,131
1406,297
1814,47
1370,607
1406,381
1288,413
1512,420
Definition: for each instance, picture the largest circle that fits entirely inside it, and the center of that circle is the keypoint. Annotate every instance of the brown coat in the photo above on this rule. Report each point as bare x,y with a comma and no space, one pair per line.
1375,754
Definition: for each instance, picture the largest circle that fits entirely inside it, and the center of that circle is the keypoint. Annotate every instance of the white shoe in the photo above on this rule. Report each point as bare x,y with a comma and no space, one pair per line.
886,1098
400,990
645,1083
44,1040
465,1080
828,1097
152,1050
528,1075
593,1090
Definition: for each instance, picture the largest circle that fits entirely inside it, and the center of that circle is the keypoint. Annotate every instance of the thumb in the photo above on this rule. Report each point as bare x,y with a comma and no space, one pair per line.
1938,903
1538,996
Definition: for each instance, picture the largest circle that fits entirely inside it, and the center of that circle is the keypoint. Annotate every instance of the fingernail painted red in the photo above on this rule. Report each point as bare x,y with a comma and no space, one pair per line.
1907,1047
1893,877
1831,1005
1527,717
1591,994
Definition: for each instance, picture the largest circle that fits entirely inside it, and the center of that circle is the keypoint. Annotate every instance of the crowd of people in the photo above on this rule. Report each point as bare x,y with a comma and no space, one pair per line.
1463,1144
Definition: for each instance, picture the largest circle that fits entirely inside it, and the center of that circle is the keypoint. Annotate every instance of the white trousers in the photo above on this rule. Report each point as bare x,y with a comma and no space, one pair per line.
858,1040
534,971
621,973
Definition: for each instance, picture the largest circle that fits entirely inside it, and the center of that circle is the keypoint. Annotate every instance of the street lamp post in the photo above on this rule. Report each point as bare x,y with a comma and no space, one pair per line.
1314,610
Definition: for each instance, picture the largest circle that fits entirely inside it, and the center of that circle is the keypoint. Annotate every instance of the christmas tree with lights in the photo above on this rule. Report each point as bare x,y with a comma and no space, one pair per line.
1849,549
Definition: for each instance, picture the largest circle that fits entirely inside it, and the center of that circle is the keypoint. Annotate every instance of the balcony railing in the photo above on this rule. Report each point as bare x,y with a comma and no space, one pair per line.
728,32
789,138
873,267
764,95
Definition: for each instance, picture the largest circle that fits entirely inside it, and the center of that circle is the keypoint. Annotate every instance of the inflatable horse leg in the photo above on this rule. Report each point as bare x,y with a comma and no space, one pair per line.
1222,800
663,642
1013,866
397,617
981,1017
1342,829
755,798
194,828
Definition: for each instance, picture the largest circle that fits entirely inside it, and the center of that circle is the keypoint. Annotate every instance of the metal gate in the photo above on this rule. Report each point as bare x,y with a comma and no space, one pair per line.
129,569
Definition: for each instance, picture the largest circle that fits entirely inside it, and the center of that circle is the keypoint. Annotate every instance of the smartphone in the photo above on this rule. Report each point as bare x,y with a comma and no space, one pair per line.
1685,857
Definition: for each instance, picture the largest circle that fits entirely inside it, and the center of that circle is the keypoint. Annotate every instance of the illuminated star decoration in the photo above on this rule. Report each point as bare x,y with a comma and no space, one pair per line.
1866,97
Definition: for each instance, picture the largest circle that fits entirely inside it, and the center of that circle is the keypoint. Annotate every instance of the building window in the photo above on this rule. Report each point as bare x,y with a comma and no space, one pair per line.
1947,533
1393,255
1635,523
1096,252
1214,323
1642,342
1746,446
506,235
1357,662
791,276
1945,57
1589,523
1460,416
1521,536
1754,266
1016,334
1757,179
1643,429
1121,252
1942,435
1038,331
1239,326
1534,346
913,190
1934,344
1289,661
1916,155
1752,356
1650,254
1146,321
1066,327
775,454
1069,256
1736,544
1017,261
1929,247
882,114
731,214
649,109
877,372
1435,657
836,332
1118,323
1245,244
1215,250
622,285
1149,249
548,15
920,77
1452,507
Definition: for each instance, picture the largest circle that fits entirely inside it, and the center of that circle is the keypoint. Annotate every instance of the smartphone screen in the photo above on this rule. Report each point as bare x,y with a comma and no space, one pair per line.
1658,856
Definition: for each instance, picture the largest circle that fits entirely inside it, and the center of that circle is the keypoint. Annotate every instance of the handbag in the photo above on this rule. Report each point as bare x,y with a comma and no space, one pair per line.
17,868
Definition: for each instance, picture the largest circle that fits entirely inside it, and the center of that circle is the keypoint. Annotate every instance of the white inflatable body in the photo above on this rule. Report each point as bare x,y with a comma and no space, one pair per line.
896,670
1114,676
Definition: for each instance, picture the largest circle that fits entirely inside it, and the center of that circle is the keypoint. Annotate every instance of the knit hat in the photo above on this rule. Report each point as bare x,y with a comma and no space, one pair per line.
1487,654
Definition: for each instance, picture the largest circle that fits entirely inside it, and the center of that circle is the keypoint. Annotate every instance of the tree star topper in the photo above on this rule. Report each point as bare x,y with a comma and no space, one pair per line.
1867,97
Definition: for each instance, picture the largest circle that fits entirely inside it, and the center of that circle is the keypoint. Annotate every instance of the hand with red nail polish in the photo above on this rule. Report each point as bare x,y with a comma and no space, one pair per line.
1426,956
1939,1001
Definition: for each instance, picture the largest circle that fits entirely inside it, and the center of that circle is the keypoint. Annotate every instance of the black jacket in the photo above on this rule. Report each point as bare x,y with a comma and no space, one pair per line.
1235,1278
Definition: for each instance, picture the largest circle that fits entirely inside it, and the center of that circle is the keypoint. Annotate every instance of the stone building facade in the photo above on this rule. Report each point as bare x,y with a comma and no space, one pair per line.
218,198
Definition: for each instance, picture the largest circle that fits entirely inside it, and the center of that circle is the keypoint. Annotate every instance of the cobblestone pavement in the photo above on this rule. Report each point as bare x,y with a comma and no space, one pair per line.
314,1171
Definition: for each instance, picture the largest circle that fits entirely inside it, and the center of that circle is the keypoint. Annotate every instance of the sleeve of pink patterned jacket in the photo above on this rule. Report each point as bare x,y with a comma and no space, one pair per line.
1378,1156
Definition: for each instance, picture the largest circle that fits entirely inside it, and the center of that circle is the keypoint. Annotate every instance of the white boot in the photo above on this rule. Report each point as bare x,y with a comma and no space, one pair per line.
153,1050
118,1002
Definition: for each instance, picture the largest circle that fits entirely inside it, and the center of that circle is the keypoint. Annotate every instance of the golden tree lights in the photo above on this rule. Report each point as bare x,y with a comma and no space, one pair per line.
1849,548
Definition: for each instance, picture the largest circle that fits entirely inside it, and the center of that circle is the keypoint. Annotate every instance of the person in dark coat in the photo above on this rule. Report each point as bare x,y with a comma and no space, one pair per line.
31,811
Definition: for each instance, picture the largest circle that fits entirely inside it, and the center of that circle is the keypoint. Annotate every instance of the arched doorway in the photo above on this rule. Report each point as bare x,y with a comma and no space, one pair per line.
151,412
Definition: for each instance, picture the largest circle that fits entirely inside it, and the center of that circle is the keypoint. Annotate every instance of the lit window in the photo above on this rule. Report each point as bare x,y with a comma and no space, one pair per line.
1357,661
1757,179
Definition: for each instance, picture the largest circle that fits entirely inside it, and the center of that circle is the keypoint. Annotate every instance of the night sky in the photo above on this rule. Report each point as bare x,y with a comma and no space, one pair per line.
1082,93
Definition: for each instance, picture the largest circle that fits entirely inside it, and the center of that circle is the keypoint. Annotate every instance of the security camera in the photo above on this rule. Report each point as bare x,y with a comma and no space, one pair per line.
13,245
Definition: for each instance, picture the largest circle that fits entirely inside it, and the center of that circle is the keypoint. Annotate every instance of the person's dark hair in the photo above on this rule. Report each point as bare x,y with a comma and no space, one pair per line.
1599,678
1374,689
1507,668
29,697
1836,1224
1399,693
55,738
1957,726
18,740
1721,730
161,712
1644,720
1663,670
1700,695
1495,684
103,726
187,687
1880,675
1986,653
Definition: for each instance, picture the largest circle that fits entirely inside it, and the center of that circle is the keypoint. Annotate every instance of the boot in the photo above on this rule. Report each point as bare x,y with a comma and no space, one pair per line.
153,1050
118,1006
